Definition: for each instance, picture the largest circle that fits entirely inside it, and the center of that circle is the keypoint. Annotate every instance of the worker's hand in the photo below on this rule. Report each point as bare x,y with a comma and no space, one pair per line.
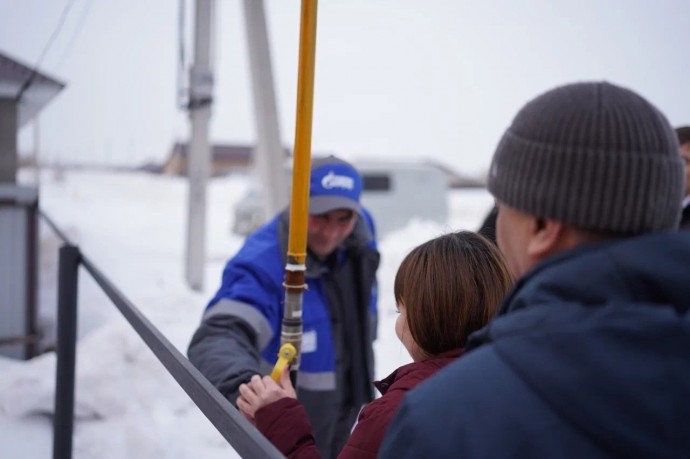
261,391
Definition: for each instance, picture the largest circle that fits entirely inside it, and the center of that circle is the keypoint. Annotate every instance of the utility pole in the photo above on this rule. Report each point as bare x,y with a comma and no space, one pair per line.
269,157
198,156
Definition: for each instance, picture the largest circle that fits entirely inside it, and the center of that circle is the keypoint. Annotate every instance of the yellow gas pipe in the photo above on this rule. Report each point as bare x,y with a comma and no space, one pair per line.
295,269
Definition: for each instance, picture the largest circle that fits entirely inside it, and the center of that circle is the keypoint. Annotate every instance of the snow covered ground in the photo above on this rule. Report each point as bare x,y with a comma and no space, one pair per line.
131,225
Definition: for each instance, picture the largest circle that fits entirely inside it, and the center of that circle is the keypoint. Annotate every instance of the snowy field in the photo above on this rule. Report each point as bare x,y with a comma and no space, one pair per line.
132,226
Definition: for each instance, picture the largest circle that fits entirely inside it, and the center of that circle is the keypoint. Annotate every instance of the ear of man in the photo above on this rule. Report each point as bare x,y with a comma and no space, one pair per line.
548,237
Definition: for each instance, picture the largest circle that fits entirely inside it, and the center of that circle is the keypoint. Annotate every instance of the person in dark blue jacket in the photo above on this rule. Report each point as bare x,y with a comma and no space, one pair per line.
589,355
239,335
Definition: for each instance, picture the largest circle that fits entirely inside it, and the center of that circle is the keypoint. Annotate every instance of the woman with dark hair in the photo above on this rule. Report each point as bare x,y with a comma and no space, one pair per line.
445,289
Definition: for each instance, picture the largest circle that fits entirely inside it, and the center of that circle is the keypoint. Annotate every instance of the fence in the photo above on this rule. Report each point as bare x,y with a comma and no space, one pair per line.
239,433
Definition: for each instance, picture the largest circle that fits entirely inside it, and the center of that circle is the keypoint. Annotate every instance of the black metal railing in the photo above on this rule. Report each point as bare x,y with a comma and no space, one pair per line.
239,433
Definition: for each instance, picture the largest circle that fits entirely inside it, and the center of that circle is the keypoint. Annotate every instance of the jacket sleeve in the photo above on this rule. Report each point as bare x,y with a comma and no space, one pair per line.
224,350
285,424
237,325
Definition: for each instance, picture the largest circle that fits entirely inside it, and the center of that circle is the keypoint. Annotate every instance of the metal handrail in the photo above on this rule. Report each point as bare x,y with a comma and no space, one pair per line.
238,432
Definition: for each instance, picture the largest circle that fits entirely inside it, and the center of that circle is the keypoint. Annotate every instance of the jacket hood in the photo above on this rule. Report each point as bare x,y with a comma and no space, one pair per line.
602,335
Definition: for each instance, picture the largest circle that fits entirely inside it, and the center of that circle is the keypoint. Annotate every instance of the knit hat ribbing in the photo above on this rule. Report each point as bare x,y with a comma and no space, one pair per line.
593,155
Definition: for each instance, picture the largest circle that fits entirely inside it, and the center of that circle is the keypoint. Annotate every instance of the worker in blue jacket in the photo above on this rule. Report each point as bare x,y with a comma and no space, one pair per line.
239,335
589,355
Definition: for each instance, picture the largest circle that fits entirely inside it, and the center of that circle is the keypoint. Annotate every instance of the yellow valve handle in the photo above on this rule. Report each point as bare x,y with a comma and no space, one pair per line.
286,355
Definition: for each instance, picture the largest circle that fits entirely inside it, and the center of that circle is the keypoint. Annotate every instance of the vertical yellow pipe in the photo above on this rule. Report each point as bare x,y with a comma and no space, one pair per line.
295,270
299,205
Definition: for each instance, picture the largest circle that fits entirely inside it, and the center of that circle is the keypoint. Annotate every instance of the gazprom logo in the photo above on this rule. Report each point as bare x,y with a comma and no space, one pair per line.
331,180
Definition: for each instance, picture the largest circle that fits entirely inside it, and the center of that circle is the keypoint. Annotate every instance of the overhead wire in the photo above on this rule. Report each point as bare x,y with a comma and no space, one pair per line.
61,22
75,33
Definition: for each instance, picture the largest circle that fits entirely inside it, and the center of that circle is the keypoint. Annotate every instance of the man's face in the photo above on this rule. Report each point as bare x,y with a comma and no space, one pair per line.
685,155
512,235
326,231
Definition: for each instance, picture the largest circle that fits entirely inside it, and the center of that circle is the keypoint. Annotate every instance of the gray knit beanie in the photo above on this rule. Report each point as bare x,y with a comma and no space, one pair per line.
593,155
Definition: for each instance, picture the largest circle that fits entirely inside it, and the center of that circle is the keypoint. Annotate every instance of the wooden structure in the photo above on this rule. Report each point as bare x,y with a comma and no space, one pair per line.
225,159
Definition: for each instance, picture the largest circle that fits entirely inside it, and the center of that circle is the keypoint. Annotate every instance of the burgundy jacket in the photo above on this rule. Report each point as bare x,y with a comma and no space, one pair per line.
285,423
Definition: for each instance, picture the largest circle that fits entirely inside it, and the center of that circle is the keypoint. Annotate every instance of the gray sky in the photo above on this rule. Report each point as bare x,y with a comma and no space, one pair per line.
415,79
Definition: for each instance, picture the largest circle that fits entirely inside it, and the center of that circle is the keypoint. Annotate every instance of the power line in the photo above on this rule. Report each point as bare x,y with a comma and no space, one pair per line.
51,40
75,33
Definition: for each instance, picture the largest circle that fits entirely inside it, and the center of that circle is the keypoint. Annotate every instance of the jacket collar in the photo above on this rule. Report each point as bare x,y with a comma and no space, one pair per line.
648,268
386,383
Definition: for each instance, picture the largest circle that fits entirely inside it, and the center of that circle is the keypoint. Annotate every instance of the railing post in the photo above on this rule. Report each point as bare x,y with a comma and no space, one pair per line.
63,422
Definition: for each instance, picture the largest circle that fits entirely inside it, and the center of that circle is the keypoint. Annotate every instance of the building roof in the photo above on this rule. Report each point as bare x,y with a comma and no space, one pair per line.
222,151
456,180
219,151
35,88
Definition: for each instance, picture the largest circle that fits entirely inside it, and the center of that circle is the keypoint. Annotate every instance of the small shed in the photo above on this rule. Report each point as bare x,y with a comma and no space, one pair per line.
23,93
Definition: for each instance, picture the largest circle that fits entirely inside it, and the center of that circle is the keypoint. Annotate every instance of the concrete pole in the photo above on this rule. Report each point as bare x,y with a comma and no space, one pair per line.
198,157
269,157
9,123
